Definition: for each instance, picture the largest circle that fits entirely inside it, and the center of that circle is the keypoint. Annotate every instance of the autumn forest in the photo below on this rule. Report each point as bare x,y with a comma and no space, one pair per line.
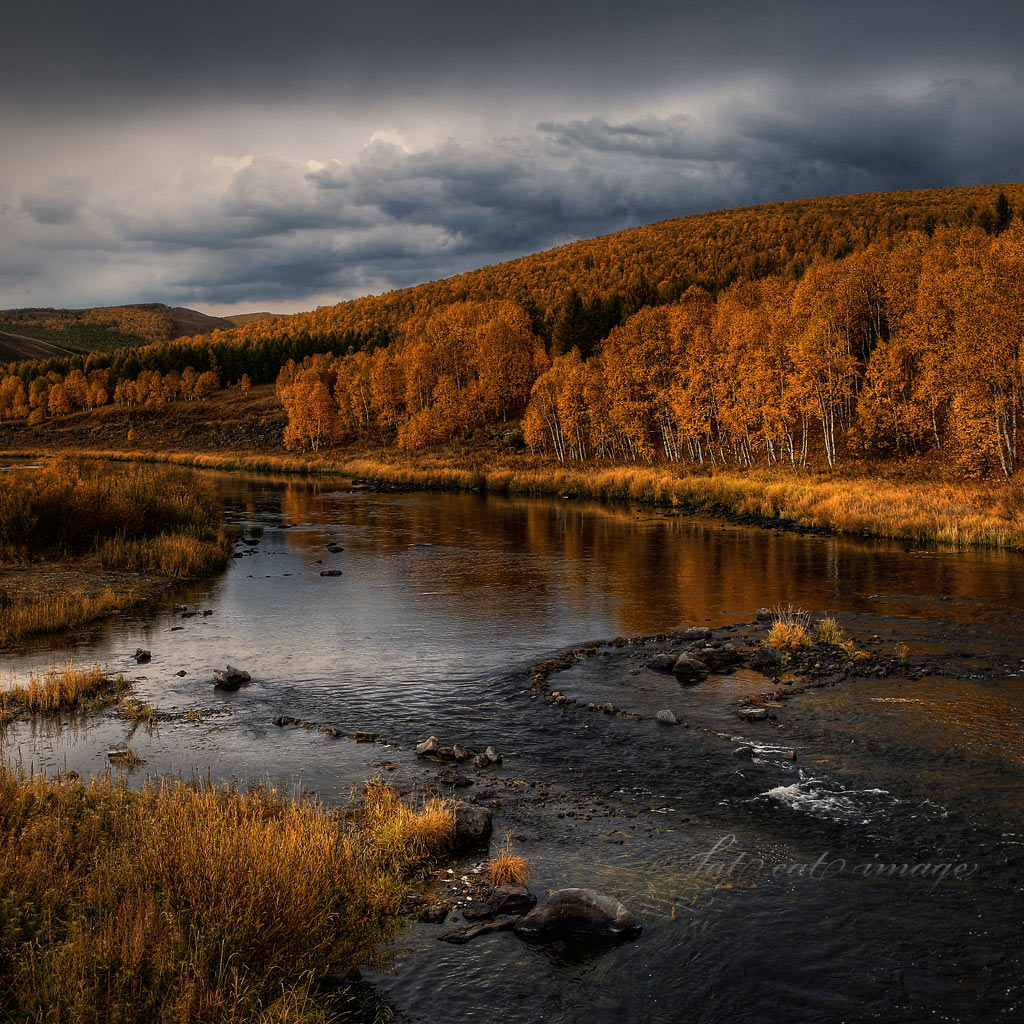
797,334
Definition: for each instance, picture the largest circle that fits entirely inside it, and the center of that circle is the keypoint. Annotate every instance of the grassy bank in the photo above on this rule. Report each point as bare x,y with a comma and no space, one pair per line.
65,688
196,903
877,500
68,528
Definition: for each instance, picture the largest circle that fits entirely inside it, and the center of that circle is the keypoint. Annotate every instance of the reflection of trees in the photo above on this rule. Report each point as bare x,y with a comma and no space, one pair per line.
532,560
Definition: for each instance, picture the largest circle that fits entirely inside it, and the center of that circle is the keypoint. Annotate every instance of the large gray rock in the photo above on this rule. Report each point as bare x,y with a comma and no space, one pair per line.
578,914
429,747
664,662
689,669
231,678
765,659
472,824
666,717
512,899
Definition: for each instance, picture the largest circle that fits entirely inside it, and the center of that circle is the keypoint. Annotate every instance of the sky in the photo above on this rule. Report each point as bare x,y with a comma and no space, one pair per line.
253,156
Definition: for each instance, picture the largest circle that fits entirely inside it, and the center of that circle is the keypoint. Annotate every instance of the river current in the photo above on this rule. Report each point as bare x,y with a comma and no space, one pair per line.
876,877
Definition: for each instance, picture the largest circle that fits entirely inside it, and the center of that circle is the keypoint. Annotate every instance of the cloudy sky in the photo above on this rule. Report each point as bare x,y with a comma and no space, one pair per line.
240,156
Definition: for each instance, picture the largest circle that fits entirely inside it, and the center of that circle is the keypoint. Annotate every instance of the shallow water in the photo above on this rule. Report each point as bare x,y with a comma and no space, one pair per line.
444,603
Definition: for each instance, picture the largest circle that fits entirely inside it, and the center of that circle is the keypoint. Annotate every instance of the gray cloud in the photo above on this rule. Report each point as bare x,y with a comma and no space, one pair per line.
244,155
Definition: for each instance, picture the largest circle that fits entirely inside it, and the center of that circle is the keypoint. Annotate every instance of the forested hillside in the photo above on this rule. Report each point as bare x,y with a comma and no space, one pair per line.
795,333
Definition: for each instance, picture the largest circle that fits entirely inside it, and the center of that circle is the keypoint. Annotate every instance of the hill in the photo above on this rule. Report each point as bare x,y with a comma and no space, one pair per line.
100,329
17,347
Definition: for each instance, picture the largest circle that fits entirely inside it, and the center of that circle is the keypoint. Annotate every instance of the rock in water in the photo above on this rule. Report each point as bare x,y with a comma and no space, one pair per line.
472,824
331,572
230,678
512,899
753,714
142,655
666,717
696,633
765,615
429,747
579,914
765,659
335,548
663,662
689,669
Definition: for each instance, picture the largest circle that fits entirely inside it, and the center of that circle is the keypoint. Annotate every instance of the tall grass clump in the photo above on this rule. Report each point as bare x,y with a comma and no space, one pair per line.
54,612
507,867
790,631
63,688
179,903
68,508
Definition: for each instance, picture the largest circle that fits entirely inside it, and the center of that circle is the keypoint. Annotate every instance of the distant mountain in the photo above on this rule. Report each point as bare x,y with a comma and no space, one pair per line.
58,332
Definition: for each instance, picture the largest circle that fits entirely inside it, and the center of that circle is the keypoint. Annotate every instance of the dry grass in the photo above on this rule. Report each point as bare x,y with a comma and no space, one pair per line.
184,903
872,500
64,688
507,867
828,631
790,631
180,555
22,619
134,710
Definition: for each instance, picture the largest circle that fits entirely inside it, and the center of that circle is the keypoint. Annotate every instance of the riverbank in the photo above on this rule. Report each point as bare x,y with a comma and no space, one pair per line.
882,500
77,544
120,903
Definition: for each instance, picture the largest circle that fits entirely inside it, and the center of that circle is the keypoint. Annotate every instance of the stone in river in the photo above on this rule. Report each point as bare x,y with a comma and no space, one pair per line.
142,655
666,717
231,678
472,824
576,914
689,669
330,572
752,714
335,548
429,747
663,662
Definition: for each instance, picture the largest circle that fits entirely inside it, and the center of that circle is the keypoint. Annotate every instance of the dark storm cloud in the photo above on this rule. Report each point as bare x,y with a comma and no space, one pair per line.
67,54
222,153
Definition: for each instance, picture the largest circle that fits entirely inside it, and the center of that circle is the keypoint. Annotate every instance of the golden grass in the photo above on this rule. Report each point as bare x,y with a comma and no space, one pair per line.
507,867
790,631
180,555
828,631
63,688
180,903
22,619
860,501
134,710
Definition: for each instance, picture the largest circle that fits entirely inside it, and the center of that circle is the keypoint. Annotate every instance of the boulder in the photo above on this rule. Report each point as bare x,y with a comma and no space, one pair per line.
429,747
330,572
765,660
765,615
230,678
752,714
460,753
512,899
142,655
689,669
666,717
472,824
578,914
664,662
435,913
335,548
492,755
720,659
481,761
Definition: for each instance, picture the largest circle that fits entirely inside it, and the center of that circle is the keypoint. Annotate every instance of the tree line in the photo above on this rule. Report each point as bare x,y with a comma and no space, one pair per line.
896,349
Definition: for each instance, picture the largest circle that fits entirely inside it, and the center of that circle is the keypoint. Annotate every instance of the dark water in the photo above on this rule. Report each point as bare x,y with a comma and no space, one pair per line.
758,881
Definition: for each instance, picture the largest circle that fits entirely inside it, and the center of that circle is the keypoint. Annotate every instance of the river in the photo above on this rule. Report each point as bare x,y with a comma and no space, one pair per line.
761,883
